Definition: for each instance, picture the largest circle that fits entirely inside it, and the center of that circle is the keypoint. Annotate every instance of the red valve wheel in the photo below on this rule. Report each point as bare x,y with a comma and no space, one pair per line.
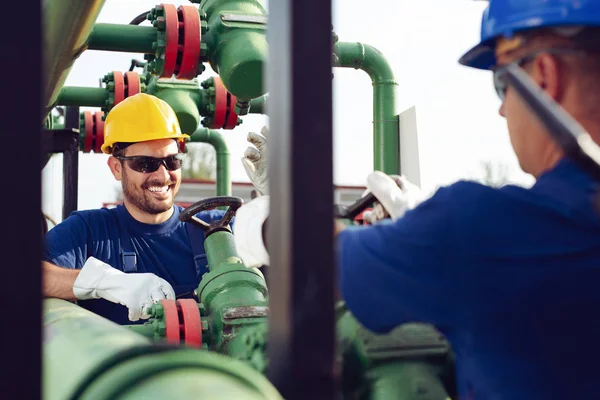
119,87
231,116
220,105
132,79
171,321
98,131
88,137
171,40
191,327
192,37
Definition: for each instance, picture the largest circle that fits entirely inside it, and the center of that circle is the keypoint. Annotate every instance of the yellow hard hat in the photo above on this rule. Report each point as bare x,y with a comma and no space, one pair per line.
139,118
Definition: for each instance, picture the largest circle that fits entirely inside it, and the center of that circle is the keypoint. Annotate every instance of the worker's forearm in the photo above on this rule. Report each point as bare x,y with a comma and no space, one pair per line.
58,282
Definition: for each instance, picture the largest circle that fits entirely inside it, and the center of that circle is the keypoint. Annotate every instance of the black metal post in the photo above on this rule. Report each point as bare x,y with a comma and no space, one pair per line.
300,233
71,164
20,336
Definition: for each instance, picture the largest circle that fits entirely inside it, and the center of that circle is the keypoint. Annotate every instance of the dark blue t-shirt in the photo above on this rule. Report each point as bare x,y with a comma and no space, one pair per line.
511,276
162,249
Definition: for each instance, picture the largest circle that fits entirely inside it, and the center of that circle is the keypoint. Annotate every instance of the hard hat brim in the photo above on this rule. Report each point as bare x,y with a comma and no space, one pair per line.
107,148
482,56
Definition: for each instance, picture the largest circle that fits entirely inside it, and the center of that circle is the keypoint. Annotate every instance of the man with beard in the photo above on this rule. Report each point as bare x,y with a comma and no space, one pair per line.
118,262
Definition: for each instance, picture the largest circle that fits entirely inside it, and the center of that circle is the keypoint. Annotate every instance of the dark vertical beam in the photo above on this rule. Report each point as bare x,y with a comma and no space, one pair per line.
20,336
71,164
300,233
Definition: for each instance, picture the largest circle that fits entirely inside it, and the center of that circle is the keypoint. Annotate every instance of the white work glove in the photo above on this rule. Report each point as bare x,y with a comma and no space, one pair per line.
137,292
255,160
395,195
247,232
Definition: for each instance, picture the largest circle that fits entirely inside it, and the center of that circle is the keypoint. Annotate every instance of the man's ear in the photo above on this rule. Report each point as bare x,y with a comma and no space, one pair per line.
115,167
547,73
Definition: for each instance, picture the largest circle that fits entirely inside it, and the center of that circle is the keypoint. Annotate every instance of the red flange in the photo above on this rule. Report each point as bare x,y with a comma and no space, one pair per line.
220,104
119,81
171,40
88,137
189,48
231,116
98,131
132,80
191,324
171,321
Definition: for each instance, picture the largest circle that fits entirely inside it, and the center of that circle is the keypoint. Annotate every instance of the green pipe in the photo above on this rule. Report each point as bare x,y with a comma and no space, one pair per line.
259,105
67,25
82,96
215,139
386,125
184,103
88,357
407,380
220,249
125,38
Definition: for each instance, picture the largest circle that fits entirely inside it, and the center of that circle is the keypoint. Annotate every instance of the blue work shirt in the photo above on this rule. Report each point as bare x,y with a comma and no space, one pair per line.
162,249
511,276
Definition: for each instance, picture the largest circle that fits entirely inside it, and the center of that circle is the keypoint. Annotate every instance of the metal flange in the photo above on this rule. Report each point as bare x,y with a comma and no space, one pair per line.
120,86
171,317
220,112
191,324
178,46
92,131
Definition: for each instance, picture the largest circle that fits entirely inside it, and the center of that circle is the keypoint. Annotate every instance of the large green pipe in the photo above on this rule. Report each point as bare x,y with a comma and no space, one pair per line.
67,25
88,357
386,125
125,38
215,139
82,96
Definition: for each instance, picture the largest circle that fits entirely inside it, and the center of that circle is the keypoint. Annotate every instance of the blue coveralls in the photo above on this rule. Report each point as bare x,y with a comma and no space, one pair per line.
116,238
511,276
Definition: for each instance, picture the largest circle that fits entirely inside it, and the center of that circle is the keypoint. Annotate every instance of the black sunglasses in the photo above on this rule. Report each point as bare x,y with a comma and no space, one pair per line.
148,164
501,86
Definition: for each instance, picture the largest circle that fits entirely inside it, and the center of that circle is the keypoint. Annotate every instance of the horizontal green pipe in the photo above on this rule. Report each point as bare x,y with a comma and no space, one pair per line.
386,123
89,357
82,96
125,38
215,139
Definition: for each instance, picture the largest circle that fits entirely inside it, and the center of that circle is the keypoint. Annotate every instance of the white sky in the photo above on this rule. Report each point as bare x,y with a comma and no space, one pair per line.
457,109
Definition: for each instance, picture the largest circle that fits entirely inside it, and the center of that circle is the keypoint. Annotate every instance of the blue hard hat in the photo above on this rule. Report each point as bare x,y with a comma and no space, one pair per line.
506,17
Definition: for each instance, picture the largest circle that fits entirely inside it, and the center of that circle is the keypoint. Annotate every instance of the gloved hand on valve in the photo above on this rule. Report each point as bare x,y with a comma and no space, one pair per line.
395,195
137,292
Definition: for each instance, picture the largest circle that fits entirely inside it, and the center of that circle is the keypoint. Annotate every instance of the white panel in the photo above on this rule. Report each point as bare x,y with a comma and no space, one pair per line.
409,146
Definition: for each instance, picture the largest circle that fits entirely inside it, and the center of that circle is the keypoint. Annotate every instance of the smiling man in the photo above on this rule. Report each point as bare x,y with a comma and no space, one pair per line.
118,262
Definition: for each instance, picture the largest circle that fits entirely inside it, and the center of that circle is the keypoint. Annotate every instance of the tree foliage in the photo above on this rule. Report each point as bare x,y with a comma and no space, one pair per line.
200,162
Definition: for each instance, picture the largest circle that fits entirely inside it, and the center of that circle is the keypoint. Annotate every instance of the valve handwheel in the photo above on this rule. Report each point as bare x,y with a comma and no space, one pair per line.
189,214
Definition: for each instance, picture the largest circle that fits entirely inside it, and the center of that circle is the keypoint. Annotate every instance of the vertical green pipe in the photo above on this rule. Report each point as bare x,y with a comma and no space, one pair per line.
259,105
220,249
386,123
215,139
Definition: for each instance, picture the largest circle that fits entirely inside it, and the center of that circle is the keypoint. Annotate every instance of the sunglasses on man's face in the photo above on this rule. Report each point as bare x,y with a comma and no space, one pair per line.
147,164
501,86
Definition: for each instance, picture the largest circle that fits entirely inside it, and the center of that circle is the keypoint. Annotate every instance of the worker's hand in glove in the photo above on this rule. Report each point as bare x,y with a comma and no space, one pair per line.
395,195
137,292
248,232
255,160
